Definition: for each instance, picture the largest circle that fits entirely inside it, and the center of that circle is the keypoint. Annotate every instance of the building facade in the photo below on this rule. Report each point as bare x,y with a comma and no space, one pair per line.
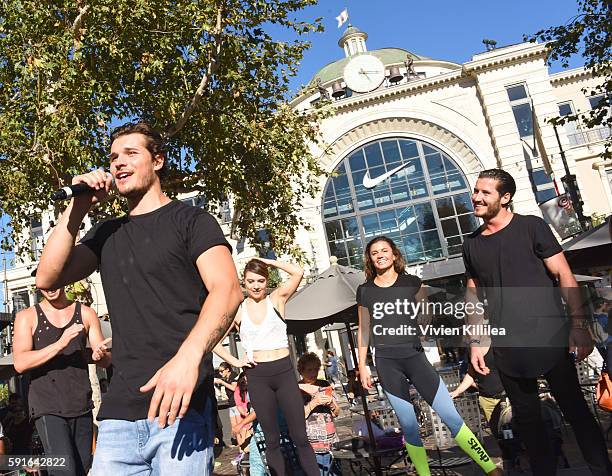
410,135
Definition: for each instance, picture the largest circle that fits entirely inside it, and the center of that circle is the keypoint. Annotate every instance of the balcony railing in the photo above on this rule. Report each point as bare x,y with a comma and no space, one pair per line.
589,136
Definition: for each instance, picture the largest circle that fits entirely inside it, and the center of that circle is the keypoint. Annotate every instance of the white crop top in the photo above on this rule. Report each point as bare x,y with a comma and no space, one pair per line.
269,335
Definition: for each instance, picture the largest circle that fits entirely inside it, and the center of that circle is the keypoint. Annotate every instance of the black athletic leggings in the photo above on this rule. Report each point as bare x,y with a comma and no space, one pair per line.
273,385
72,437
395,377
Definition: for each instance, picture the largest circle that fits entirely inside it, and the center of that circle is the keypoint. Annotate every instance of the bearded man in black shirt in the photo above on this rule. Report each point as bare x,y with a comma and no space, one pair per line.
517,263
172,292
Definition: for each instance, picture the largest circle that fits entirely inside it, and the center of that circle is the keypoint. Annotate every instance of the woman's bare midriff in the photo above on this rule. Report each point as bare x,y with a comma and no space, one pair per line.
270,355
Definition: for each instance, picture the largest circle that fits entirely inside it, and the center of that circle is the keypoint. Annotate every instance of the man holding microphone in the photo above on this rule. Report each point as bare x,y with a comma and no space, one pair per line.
172,291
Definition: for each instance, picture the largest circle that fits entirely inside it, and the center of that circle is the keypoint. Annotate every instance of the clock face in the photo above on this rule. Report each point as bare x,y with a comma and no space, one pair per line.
364,73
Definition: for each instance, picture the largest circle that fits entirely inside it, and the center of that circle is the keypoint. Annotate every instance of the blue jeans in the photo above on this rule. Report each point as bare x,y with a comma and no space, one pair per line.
326,463
140,448
256,466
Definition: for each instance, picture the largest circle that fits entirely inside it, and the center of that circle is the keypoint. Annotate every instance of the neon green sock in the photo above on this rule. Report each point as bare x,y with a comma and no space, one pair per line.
470,444
419,459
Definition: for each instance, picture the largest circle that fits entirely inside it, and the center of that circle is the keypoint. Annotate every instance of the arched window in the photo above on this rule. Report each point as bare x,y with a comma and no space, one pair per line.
403,188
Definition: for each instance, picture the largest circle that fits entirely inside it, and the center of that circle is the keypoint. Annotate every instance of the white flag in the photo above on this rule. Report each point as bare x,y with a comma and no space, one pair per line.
342,18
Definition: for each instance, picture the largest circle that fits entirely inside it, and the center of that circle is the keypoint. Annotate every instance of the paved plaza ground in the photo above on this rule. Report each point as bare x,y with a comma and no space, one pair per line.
577,467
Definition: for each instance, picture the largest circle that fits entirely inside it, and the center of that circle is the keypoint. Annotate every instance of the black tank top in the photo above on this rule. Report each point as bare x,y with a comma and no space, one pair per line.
61,385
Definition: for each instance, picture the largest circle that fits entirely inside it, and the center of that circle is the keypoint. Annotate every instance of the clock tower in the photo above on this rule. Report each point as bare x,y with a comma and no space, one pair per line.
353,41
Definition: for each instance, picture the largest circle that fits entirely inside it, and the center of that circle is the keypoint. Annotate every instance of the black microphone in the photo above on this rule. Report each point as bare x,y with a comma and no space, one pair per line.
72,191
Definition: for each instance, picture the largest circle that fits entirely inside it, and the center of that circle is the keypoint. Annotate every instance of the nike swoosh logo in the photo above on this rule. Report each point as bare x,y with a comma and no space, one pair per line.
369,182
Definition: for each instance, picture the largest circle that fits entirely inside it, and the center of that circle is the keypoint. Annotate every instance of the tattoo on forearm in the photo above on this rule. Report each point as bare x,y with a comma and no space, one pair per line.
217,334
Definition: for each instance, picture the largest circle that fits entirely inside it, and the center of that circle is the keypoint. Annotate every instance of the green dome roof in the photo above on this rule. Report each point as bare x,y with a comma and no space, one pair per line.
388,56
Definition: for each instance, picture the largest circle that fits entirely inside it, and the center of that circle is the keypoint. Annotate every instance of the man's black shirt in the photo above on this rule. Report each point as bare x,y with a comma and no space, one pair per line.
522,296
154,294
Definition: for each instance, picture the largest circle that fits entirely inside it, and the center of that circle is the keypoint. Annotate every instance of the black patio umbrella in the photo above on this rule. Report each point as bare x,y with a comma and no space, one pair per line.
593,248
328,299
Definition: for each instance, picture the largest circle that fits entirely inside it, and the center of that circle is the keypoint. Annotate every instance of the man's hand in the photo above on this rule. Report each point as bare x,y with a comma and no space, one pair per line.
69,334
99,180
454,394
478,362
581,342
366,378
174,384
101,350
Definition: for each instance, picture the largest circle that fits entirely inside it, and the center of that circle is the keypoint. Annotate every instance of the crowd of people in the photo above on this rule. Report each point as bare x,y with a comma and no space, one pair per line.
174,294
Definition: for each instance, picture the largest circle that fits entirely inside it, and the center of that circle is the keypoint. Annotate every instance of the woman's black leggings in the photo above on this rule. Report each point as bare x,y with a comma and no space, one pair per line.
273,385
397,374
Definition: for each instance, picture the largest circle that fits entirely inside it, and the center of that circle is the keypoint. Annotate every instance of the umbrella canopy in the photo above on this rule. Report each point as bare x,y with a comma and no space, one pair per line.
329,298
581,278
598,236
591,249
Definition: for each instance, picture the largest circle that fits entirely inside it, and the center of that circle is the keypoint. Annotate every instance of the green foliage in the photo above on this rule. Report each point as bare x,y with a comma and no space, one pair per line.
80,291
597,219
4,394
588,33
205,72
274,278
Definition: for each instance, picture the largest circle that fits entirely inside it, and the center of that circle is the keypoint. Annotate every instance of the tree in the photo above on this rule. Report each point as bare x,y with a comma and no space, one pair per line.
590,33
206,73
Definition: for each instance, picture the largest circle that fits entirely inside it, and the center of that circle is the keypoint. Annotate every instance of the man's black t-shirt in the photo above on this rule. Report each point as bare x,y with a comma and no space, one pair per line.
154,294
522,296
393,319
489,385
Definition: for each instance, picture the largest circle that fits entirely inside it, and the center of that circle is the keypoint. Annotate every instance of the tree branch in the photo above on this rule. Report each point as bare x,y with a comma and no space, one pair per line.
78,21
213,64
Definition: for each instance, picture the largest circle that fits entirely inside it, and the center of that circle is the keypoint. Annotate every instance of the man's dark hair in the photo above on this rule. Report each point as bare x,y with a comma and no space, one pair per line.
505,182
154,140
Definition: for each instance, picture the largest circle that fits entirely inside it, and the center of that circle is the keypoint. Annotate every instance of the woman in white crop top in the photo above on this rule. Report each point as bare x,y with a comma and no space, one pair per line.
272,381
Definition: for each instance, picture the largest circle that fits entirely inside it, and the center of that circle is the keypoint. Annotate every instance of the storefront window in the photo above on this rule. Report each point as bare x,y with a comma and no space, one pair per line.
405,189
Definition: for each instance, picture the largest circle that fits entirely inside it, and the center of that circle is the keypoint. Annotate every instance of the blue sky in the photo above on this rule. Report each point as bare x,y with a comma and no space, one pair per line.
449,30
